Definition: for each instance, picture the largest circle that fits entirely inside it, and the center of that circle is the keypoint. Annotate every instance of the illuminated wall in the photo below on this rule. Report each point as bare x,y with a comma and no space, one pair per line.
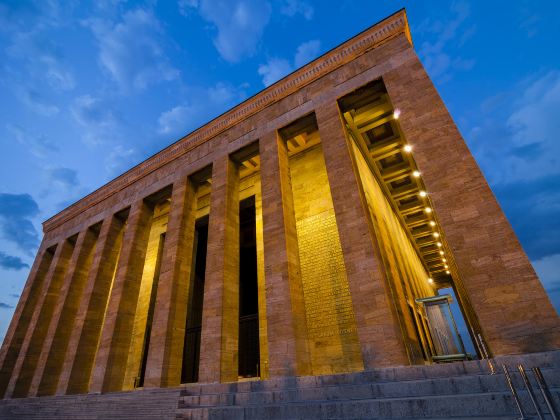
159,226
403,267
333,340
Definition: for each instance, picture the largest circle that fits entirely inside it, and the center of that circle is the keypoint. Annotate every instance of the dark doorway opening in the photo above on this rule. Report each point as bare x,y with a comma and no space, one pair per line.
193,324
249,353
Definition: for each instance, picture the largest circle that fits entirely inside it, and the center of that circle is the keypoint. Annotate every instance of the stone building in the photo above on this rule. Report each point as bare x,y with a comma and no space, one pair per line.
304,232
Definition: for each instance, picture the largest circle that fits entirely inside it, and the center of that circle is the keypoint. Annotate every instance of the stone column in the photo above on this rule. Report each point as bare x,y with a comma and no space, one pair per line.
84,337
114,344
287,329
378,328
220,311
52,355
22,316
165,353
26,363
513,309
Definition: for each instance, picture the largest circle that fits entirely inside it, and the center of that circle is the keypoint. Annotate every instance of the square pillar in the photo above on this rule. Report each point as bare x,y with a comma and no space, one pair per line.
84,336
19,326
287,328
381,340
510,305
220,310
52,355
114,345
165,353
26,363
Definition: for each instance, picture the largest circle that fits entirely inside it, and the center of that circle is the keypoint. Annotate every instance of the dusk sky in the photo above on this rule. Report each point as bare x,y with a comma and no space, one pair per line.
89,89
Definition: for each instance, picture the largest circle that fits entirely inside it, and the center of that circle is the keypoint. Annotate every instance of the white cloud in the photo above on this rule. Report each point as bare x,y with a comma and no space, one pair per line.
294,7
131,52
275,68
240,24
435,55
203,105
38,144
526,147
35,101
307,52
120,159
41,59
96,118
174,120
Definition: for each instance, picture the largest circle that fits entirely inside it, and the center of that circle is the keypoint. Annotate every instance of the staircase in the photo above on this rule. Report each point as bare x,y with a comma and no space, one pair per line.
457,390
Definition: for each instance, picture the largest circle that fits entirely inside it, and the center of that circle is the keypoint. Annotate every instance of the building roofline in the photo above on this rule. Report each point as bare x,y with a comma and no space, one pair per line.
375,35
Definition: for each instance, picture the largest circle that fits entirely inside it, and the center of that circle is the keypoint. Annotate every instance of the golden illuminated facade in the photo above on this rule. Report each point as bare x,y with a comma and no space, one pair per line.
304,232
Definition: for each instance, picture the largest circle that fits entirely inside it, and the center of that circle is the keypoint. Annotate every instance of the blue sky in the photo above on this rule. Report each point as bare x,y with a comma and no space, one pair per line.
88,89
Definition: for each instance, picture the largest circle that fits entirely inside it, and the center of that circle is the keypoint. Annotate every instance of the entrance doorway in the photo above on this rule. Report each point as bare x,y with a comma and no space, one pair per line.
191,349
249,353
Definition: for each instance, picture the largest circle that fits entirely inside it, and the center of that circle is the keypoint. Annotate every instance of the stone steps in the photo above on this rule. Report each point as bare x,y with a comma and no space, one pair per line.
160,404
455,390
461,390
395,389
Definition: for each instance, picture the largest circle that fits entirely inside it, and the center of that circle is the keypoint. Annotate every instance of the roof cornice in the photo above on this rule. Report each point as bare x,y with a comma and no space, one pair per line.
370,38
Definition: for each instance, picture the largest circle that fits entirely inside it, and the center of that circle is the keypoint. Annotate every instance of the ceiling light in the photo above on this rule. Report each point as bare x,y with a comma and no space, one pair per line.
438,244
432,223
430,280
428,210
444,260
423,193
445,266
436,235
447,272
397,114
441,253
416,174
407,148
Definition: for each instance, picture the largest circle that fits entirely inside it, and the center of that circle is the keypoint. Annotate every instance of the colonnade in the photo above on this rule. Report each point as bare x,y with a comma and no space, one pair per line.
75,328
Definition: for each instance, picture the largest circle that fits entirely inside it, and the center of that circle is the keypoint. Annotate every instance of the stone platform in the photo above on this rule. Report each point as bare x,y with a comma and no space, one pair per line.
457,390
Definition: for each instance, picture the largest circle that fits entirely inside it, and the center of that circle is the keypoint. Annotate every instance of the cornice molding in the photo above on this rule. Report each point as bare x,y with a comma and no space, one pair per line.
344,53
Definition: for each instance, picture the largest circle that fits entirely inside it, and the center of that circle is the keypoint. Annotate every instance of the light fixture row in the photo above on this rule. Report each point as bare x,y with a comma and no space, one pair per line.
416,174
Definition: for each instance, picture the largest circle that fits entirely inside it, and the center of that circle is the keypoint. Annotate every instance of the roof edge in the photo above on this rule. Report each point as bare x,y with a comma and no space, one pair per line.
371,37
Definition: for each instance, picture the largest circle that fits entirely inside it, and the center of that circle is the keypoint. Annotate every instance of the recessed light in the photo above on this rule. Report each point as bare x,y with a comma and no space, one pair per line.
407,148
423,193
397,114
428,210
416,174
436,235
432,223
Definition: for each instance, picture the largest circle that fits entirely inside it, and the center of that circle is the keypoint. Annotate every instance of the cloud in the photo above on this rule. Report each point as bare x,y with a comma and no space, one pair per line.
548,270
38,144
5,306
64,177
203,105
41,58
294,7
10,262
120,159
516,145
307,52
34,100
131,52
526,146
16,211
96,117
435,54
275,68
240,24
532,206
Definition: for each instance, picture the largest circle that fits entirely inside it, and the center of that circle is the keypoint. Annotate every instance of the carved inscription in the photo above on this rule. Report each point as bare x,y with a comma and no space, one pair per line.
328,303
